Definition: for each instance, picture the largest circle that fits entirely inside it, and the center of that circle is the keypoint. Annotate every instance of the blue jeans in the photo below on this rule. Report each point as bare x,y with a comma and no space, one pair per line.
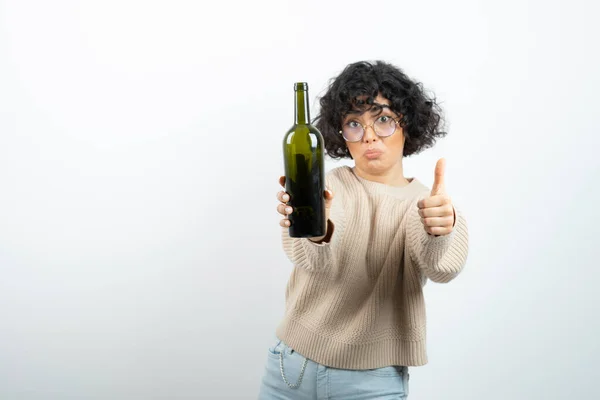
290,376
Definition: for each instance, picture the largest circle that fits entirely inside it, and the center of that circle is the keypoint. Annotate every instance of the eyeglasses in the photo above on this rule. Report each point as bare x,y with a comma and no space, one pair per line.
384,126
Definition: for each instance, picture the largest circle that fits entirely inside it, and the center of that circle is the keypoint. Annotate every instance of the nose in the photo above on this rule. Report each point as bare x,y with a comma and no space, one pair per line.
370,135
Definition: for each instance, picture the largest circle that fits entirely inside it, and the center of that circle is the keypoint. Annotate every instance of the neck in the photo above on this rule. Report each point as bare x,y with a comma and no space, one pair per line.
393,176
302,112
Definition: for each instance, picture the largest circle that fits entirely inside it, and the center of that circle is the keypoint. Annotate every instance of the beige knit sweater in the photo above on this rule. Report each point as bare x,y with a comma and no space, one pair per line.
356,302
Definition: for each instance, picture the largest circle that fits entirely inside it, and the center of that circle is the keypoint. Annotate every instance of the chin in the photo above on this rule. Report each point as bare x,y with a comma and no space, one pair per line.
374,166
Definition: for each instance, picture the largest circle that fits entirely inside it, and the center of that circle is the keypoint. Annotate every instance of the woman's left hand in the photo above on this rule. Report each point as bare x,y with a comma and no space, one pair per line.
437,212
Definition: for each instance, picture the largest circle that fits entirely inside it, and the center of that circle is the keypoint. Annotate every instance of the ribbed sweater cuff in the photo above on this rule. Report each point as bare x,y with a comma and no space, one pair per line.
441,257
307,254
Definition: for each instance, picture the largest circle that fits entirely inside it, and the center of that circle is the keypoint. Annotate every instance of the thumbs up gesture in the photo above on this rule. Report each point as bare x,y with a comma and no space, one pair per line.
436,211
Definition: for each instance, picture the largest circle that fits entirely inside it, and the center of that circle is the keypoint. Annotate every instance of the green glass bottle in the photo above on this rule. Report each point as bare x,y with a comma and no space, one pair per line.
303,155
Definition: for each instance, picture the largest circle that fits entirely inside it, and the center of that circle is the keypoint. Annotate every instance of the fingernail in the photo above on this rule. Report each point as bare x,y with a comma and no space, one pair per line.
287,223
288,210
286,197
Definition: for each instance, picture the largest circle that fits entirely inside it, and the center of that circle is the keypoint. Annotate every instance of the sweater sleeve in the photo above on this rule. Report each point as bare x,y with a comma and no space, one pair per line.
440,258
304,253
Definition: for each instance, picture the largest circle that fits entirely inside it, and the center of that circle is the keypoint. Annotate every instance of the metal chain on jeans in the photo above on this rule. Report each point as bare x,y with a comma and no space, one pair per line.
297,384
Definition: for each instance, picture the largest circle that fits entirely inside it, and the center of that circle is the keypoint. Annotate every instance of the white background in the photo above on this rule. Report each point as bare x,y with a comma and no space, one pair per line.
140,146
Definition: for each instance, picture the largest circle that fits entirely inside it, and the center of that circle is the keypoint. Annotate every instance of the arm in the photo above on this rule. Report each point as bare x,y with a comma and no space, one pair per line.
306,253
440,258
317,253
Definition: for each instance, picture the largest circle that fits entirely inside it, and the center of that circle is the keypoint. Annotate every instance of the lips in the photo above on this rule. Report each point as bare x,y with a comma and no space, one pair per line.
373,153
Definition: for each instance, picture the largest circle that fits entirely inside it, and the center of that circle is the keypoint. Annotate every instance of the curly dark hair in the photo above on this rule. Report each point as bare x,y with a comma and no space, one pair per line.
421,117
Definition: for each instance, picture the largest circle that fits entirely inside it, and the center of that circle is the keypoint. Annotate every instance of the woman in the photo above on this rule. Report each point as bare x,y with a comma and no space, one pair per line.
355,311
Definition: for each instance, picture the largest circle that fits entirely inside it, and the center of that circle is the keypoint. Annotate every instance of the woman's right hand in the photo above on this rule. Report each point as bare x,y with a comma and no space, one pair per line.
284,209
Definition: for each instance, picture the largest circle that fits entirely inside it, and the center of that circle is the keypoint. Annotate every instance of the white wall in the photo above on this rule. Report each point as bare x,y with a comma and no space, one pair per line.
140,145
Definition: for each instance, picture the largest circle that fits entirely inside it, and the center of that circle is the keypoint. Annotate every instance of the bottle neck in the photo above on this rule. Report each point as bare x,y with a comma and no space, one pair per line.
302,112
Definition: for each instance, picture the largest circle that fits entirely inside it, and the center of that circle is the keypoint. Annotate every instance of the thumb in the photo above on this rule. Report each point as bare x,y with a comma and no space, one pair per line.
328,198
438,181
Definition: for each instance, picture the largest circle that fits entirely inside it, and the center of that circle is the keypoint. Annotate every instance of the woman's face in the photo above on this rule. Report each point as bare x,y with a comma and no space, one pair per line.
374,154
